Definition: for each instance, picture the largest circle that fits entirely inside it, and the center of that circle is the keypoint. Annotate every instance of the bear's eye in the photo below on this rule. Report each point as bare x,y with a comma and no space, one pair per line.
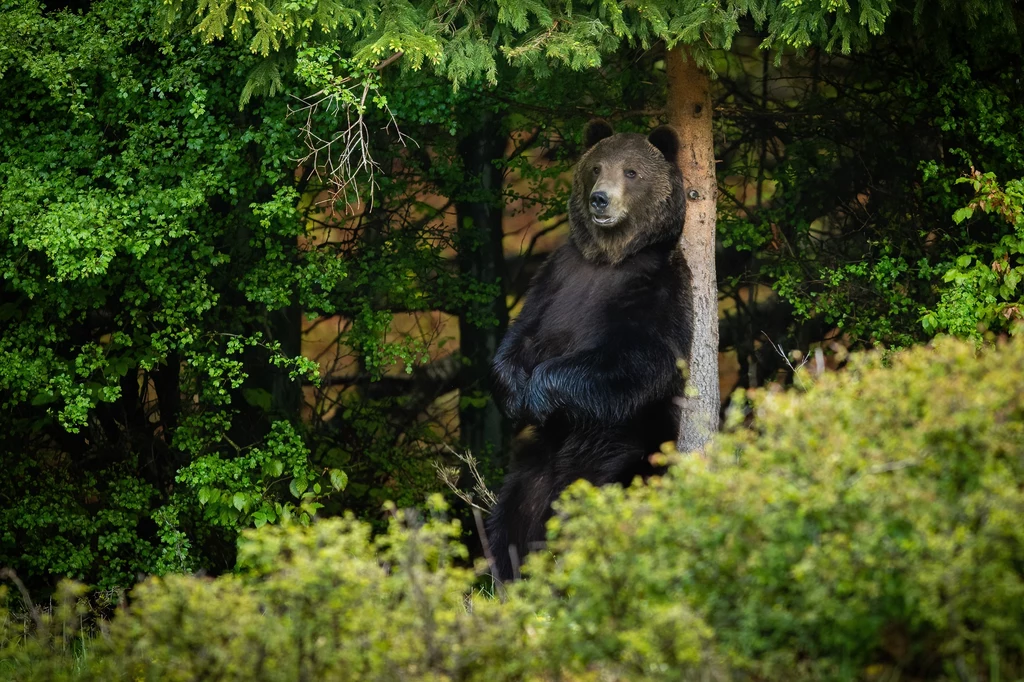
630,174
597,170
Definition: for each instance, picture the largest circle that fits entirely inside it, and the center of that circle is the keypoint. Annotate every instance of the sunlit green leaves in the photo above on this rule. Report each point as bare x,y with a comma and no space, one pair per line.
338,479
248,487
135,199
982,285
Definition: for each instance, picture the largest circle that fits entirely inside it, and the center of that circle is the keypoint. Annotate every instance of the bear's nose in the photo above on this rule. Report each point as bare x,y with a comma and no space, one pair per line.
599,200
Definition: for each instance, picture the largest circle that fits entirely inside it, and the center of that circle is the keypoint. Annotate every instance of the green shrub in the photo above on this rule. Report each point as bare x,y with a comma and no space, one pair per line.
44,644
328,602
865,525
870,517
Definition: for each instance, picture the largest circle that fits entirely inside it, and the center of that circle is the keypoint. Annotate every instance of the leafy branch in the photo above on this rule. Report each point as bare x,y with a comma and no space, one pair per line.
340,160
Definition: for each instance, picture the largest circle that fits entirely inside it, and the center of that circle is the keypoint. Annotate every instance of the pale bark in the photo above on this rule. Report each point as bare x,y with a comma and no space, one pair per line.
689,110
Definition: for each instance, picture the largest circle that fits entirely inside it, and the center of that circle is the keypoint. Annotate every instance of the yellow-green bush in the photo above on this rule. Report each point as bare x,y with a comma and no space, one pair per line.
328,602
871,519
868,524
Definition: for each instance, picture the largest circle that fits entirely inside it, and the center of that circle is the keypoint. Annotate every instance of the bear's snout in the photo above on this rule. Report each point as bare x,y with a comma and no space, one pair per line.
606,205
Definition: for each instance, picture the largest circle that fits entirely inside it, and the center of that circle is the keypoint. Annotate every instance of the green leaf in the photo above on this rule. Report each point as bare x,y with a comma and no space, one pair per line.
239,501
122,365
962,214
257,397
339,479
1013,278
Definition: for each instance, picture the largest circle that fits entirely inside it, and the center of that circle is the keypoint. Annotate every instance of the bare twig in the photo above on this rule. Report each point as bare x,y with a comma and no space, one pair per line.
886,468
33,610
782,352
450,477
528,252
513,554
481,530
393,58
338,162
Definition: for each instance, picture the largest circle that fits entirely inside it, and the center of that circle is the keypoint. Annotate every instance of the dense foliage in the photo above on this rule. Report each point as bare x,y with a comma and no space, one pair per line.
867,214
204,328
863,526
158,252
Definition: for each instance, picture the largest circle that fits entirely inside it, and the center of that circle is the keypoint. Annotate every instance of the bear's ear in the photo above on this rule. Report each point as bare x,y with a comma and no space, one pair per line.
666,140
597,130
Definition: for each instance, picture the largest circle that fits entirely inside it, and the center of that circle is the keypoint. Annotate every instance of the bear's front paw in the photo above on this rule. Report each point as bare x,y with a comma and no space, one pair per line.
514,407
538,407
509,387
541,399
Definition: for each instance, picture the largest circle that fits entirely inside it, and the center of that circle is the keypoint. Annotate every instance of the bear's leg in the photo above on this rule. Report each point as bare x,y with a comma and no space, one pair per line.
600,457
517,522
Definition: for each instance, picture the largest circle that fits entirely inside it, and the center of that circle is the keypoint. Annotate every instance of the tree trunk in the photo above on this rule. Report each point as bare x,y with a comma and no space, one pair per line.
689,110
479,213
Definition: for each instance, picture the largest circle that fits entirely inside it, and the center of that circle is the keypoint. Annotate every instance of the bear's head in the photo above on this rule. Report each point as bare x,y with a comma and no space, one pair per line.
627,193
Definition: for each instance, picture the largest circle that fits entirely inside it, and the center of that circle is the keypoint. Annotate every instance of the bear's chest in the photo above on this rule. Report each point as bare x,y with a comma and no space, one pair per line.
592,302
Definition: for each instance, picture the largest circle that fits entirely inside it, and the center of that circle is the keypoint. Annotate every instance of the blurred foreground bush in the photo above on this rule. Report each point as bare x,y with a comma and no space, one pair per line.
864,526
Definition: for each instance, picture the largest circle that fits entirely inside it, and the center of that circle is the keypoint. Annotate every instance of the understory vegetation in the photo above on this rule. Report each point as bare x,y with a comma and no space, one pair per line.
863,526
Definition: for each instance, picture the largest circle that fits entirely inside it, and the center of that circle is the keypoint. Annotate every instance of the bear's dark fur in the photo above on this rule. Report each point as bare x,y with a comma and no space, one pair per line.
591,362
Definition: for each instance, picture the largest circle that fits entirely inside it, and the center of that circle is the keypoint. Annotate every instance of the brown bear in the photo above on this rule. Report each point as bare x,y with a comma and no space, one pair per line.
591,362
